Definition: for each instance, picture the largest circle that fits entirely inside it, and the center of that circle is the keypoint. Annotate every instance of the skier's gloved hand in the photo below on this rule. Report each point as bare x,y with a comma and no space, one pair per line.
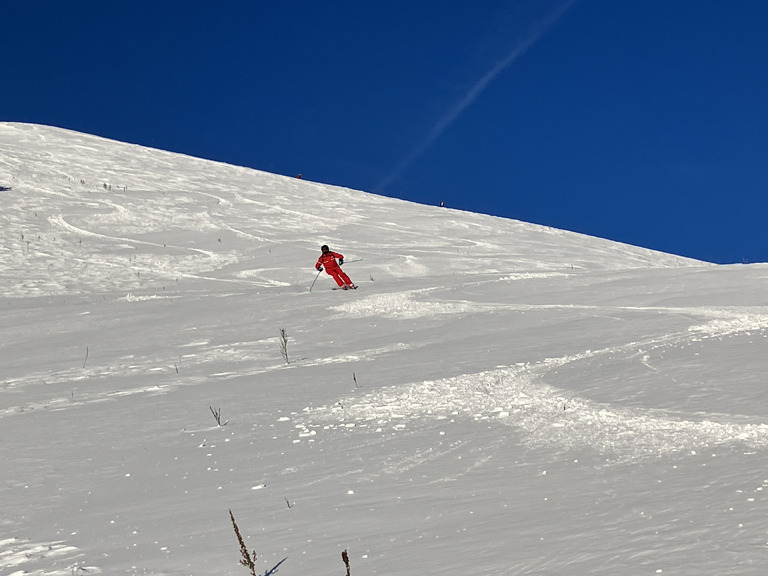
341,261
320,269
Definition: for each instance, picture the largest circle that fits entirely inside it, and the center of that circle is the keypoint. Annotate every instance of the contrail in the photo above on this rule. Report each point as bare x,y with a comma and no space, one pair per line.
474,92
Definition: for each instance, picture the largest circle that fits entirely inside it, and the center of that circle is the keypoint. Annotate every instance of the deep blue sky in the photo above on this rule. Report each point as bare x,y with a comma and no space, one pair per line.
643,121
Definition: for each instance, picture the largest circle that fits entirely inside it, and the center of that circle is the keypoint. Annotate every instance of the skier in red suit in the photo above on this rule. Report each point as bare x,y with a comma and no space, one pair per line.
328,259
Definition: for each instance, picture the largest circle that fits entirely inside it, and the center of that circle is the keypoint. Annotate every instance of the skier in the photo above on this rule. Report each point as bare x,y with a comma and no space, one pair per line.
328,259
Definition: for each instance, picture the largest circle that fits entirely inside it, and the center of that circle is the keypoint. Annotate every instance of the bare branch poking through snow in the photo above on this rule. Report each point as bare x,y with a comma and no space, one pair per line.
216,415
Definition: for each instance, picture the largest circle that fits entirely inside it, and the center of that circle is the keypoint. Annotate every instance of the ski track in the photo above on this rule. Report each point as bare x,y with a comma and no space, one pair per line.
96,383
244,358
542,415
517,396
721,321
53,261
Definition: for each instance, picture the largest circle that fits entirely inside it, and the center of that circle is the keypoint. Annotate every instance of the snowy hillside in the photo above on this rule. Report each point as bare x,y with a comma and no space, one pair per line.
496,398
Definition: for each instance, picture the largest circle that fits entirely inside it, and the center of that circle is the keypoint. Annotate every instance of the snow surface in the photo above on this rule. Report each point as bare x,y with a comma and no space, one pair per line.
496,398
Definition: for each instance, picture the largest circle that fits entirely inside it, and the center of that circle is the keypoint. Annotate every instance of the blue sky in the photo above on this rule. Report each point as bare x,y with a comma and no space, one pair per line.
642,121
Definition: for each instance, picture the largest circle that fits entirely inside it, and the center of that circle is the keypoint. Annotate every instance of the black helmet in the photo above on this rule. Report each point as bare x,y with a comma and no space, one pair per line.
324,248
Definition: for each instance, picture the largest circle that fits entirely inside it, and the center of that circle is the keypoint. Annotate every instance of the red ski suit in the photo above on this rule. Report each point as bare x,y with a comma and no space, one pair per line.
328,260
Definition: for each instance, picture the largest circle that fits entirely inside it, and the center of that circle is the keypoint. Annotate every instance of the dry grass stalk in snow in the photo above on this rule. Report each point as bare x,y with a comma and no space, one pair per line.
345,557
248,560
284,344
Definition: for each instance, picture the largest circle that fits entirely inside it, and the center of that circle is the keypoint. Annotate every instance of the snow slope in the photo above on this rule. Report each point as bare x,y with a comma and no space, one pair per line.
496,398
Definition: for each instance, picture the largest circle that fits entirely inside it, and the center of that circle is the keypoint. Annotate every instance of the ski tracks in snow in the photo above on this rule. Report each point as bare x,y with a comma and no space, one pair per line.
542,415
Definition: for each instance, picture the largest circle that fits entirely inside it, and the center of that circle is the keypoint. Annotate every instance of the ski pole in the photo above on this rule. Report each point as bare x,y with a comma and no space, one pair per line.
355,260
315,280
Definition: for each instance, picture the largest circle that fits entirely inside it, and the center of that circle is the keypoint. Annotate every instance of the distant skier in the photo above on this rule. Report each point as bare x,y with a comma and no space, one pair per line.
328,259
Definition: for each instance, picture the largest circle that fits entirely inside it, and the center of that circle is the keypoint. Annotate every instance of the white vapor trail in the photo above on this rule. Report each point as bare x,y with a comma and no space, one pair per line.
474,92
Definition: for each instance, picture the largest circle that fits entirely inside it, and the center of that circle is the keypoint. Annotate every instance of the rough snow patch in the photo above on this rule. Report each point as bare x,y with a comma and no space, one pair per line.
542,414
731,323
16,553
400,305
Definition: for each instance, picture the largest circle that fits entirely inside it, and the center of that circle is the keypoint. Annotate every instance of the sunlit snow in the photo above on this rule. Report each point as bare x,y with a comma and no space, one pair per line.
497,397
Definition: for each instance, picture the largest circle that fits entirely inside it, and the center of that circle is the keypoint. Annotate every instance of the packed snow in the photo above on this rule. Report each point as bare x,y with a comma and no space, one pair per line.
496,398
